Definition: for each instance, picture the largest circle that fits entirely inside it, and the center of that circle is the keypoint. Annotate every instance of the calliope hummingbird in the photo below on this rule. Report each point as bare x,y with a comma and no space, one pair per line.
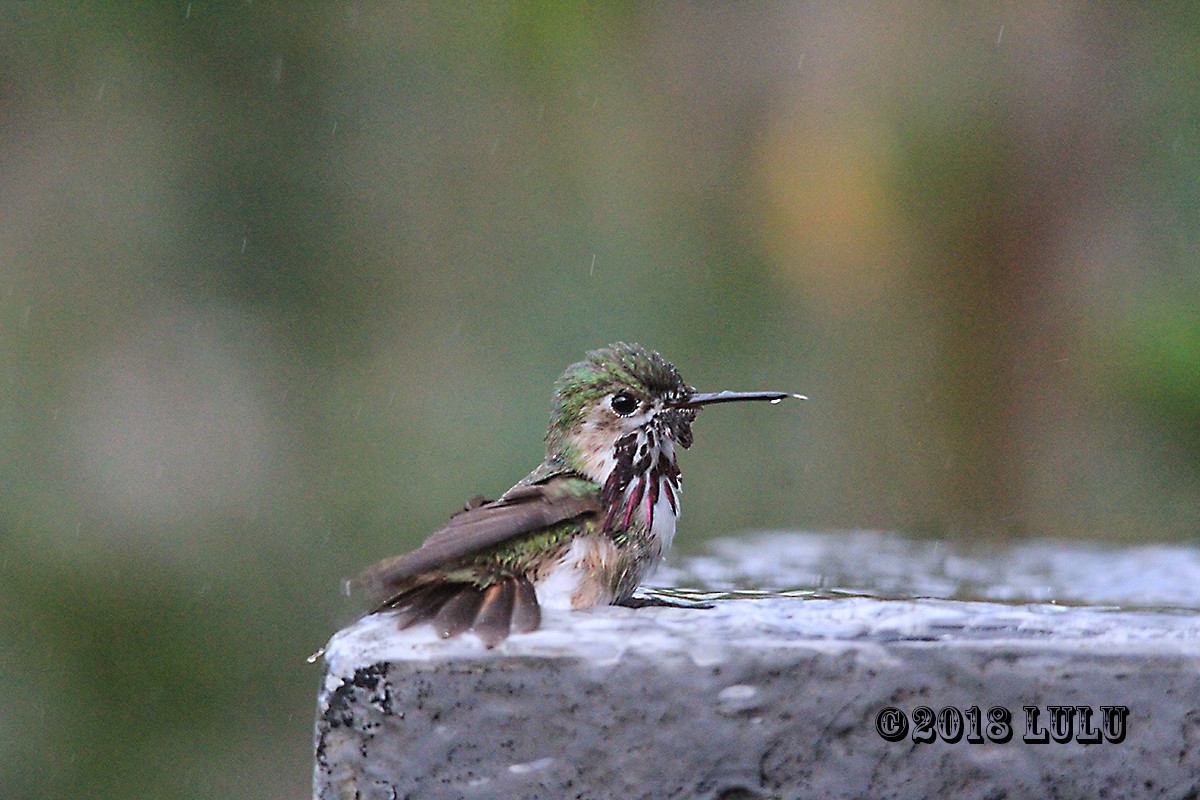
584,528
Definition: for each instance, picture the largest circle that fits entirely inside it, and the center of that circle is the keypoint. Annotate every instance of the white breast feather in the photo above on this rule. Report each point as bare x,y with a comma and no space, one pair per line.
565,580
663,528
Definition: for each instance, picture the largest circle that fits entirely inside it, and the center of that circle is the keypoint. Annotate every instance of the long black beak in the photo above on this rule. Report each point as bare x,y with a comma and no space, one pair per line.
697,400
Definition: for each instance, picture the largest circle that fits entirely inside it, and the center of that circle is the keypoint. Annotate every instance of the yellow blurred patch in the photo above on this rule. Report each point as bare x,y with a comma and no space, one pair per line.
829,223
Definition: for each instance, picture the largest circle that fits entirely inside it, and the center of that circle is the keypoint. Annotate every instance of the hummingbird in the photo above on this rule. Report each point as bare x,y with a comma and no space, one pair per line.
585,528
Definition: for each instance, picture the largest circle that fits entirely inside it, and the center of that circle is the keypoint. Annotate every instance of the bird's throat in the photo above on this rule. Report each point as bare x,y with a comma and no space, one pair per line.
640,472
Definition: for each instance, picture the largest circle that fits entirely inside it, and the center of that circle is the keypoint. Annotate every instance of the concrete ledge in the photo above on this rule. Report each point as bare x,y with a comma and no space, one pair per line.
769,697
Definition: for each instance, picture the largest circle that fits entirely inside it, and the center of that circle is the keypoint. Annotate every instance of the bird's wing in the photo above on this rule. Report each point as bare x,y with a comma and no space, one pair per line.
523,509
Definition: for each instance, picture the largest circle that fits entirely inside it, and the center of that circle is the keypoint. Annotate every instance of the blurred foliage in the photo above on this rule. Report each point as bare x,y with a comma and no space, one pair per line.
282,284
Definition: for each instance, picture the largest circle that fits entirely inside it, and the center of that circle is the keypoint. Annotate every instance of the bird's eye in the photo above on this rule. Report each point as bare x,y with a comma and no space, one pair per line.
623,404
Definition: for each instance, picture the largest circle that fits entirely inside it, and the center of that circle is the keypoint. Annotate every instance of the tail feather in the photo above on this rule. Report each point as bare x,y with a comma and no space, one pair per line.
526,613
458,613
420,604
492,612
494,619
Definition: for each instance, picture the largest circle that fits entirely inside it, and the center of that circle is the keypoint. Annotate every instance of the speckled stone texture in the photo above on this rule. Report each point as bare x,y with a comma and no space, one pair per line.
761,697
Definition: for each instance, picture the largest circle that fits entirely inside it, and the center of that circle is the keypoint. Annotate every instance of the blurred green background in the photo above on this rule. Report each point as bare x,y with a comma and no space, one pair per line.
282,284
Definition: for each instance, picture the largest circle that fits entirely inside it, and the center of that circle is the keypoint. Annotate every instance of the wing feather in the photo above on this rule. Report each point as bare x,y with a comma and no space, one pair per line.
523,509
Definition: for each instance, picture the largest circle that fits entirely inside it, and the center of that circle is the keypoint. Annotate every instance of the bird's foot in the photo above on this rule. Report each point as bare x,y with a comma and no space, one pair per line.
657,601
